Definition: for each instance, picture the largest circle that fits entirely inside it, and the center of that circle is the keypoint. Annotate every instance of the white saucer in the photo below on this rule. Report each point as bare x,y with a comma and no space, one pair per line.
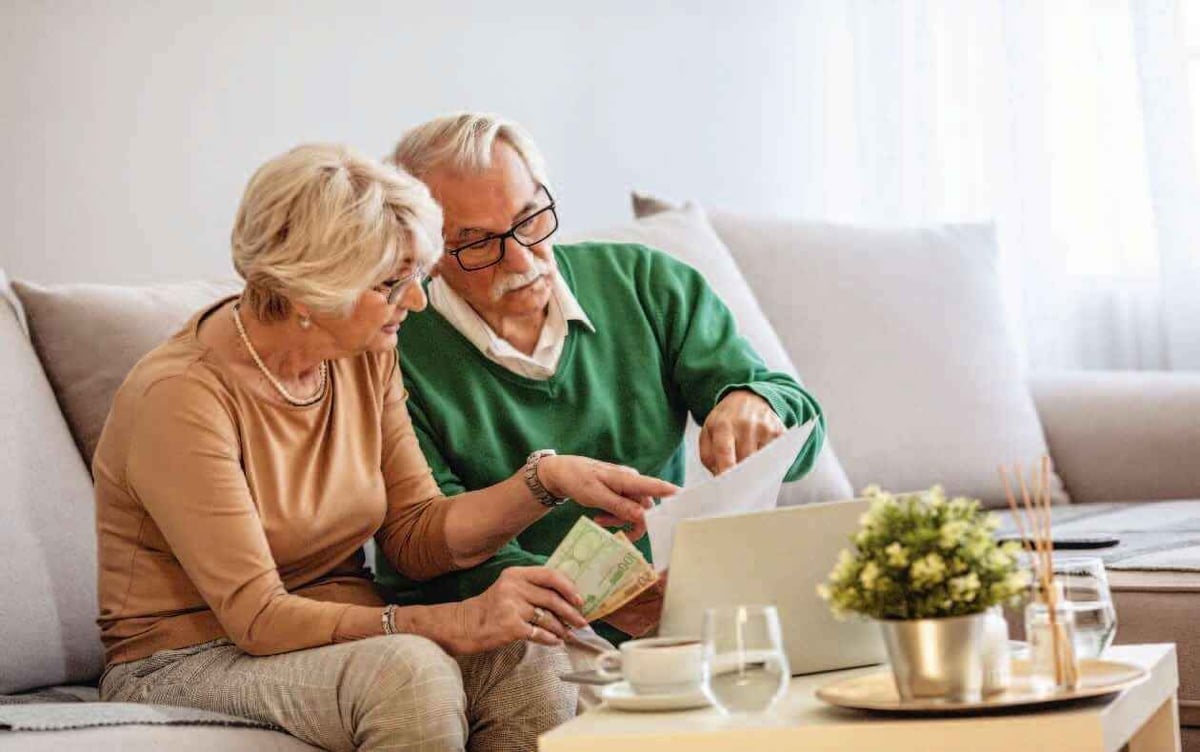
620,696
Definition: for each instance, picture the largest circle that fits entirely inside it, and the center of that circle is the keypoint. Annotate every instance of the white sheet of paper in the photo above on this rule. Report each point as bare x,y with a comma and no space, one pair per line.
752,485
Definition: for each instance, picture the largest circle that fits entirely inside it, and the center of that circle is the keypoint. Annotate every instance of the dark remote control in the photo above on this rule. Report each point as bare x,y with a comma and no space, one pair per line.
1079,542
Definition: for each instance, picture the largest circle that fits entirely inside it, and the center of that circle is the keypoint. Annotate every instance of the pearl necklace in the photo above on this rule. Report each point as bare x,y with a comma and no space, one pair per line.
324,368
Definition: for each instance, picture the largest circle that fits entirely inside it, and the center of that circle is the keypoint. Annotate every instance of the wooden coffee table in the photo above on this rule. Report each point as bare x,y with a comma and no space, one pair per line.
1145,717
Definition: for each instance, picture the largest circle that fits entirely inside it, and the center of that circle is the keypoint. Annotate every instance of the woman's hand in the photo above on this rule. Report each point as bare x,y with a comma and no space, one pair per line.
622,492
525,603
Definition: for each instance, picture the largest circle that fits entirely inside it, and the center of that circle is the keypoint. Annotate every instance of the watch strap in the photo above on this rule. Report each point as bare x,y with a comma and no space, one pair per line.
534,483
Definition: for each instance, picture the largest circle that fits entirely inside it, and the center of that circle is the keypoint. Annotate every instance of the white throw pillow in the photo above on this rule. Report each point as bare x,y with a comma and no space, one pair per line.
902,334
686,234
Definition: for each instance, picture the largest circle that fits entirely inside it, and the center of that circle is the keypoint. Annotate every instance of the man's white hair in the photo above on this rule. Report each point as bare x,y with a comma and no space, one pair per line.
463,143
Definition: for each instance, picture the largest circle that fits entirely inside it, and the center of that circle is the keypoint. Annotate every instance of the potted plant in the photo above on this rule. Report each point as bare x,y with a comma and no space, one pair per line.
929,570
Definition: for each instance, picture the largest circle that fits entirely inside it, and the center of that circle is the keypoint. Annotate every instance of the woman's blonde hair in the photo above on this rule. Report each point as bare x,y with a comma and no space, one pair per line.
463,143
323,223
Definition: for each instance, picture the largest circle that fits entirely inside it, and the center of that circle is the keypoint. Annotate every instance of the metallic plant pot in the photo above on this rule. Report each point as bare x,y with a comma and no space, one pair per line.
937,657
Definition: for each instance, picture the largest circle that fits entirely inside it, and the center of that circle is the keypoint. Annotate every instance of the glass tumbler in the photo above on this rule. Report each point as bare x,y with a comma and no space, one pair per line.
1083,585
745,669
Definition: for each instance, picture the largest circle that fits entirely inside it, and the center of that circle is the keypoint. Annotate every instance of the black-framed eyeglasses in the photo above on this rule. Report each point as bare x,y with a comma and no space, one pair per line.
394,289
489,251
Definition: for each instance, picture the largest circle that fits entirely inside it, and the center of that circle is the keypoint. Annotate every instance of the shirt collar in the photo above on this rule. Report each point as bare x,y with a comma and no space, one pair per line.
571,309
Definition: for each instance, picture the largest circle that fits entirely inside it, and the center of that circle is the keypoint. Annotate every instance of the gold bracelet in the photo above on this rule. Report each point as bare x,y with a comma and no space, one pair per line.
389,623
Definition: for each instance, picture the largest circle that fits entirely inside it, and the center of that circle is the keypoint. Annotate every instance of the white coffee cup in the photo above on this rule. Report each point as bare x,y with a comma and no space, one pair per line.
656,665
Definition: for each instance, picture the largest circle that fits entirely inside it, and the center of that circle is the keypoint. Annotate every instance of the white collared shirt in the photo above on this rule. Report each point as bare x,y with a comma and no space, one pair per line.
539,366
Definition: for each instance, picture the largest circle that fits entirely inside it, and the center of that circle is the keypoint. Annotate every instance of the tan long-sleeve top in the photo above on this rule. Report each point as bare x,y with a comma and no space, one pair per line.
222,514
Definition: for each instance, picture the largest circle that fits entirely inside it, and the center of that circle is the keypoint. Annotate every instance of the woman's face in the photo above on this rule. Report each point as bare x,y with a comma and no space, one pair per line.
373,323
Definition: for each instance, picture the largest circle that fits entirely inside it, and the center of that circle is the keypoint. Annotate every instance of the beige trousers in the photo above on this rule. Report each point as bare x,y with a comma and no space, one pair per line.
400,692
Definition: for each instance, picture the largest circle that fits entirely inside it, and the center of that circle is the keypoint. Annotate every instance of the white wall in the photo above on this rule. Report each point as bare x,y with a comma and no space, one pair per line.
128,129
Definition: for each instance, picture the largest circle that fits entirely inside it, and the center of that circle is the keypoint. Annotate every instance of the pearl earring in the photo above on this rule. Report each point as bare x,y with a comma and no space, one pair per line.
305,322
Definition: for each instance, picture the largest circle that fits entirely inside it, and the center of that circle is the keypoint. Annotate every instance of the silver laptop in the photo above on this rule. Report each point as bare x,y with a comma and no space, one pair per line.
774,557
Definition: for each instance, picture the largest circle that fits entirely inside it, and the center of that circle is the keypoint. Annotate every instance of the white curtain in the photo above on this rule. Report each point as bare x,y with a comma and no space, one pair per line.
1066,122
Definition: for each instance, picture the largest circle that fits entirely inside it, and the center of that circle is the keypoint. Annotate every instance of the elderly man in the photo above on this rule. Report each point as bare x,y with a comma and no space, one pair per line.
597,349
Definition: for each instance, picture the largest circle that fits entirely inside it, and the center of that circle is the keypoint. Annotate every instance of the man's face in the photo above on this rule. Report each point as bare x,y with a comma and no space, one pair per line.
489,203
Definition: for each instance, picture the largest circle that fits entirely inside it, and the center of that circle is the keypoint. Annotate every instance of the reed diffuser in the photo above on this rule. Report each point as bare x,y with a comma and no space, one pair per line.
1052,638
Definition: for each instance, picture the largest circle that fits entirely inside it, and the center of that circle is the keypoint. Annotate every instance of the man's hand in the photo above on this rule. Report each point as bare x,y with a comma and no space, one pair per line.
525,603
641,615
740,425
621,492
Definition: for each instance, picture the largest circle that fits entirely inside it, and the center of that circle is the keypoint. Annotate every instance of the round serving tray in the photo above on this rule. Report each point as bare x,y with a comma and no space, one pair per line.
877,691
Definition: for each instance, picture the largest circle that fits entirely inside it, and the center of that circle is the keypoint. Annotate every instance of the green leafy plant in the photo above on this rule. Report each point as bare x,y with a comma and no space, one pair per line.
921,556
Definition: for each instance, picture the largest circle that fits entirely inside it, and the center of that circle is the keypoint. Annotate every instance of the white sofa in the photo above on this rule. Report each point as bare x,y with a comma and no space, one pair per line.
900,334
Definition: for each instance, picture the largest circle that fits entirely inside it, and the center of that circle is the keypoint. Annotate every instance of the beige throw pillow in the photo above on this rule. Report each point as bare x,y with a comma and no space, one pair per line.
89,337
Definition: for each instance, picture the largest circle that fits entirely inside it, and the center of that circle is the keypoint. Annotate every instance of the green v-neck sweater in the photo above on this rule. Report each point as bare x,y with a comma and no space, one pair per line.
664,346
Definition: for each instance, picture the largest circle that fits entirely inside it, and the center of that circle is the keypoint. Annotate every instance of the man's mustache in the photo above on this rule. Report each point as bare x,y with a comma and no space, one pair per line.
507,284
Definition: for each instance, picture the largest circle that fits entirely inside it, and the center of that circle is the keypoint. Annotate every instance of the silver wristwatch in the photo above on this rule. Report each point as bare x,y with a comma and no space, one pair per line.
544,497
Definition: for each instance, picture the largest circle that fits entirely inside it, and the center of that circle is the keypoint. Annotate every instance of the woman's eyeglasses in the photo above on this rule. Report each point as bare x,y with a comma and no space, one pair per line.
394,289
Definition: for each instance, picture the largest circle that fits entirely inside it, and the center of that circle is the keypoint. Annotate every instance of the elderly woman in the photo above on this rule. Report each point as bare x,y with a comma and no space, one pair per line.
246,461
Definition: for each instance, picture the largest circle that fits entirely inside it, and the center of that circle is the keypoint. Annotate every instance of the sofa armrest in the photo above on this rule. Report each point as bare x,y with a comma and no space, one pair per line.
1122,436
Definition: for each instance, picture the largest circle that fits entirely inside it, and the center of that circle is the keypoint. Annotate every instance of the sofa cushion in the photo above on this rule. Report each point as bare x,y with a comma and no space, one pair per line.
687,235
1162,607
90,336
47,539
902,334
1123,435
